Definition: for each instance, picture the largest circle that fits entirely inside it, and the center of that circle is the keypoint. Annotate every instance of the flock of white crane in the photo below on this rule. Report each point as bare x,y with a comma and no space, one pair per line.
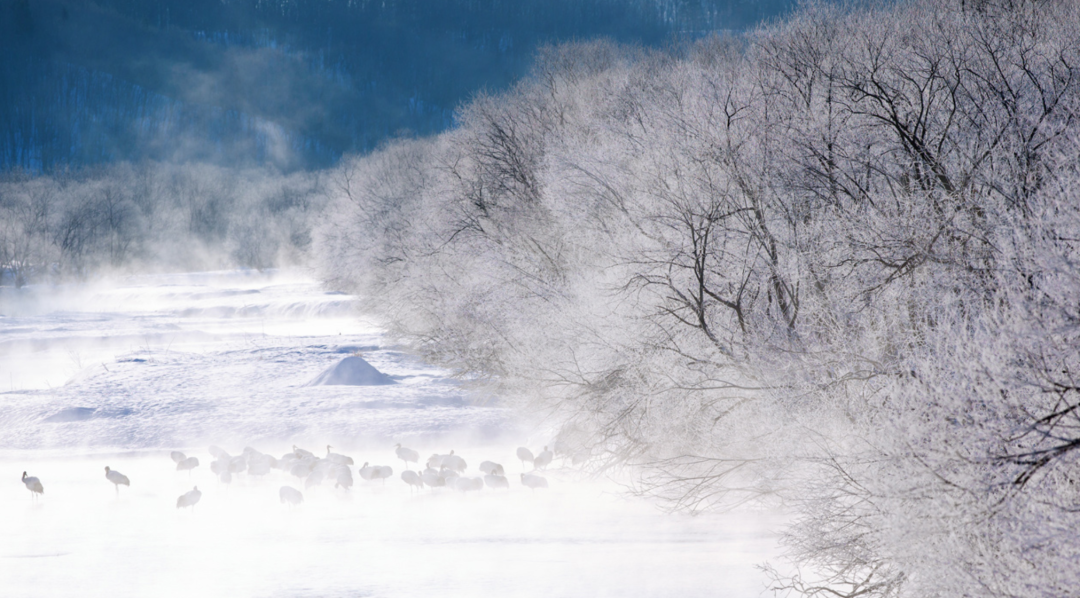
441,471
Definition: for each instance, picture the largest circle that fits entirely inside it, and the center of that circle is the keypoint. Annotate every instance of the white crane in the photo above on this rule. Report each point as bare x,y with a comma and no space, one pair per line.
299,452
301,468
454,462
187,464
238,464
431,478
336,458
343,477
33,485
495,481
407,455
315,478
260,464
490,467
376,472
435,461
448,476
367,471
533,481
468,484
177,456
189,499
525,455
543,459
116,478
412,478
290,495
286,461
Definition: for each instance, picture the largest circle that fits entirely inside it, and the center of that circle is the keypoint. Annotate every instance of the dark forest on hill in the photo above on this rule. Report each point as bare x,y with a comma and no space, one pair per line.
284,83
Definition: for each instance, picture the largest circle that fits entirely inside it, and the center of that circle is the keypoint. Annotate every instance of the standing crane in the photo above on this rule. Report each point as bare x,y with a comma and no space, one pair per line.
33,485
407,455
524,455
116,478
189,499
543,459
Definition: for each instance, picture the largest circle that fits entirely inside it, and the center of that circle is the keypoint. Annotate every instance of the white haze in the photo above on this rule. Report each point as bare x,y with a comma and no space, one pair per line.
183,361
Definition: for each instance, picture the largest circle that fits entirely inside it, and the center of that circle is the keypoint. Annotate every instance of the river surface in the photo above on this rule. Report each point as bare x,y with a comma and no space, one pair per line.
122,373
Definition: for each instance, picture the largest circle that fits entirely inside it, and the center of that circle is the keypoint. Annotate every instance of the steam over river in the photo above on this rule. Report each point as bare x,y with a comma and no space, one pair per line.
120,375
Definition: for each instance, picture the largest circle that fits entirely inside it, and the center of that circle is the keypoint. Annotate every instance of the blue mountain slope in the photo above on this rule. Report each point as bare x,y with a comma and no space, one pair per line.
293,84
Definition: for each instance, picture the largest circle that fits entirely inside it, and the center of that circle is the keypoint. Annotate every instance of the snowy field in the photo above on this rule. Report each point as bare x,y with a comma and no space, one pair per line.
119,375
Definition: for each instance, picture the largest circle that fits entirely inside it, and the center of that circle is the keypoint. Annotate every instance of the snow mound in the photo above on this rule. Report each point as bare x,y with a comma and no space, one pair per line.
351,371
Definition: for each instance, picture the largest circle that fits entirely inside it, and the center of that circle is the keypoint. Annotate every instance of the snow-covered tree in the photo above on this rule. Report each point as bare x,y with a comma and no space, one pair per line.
830,263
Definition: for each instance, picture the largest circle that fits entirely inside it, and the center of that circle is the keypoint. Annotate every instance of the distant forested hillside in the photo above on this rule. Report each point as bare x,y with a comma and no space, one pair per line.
293,84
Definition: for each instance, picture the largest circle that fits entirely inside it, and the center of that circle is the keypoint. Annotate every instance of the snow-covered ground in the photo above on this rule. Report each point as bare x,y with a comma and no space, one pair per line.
120,374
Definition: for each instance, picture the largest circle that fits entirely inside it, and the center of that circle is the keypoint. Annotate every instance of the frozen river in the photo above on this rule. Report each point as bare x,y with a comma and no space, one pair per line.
121,374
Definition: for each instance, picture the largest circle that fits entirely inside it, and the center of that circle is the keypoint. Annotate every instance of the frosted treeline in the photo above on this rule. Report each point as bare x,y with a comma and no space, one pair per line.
152,215
831,264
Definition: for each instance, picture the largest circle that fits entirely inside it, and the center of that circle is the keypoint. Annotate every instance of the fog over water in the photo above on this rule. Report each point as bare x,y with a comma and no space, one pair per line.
829,265
119,374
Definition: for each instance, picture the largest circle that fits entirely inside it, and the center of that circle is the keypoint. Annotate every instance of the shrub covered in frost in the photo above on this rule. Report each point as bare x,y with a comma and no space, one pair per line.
833,262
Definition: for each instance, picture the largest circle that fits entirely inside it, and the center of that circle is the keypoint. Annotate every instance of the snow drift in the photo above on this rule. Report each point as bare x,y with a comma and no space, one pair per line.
351,371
